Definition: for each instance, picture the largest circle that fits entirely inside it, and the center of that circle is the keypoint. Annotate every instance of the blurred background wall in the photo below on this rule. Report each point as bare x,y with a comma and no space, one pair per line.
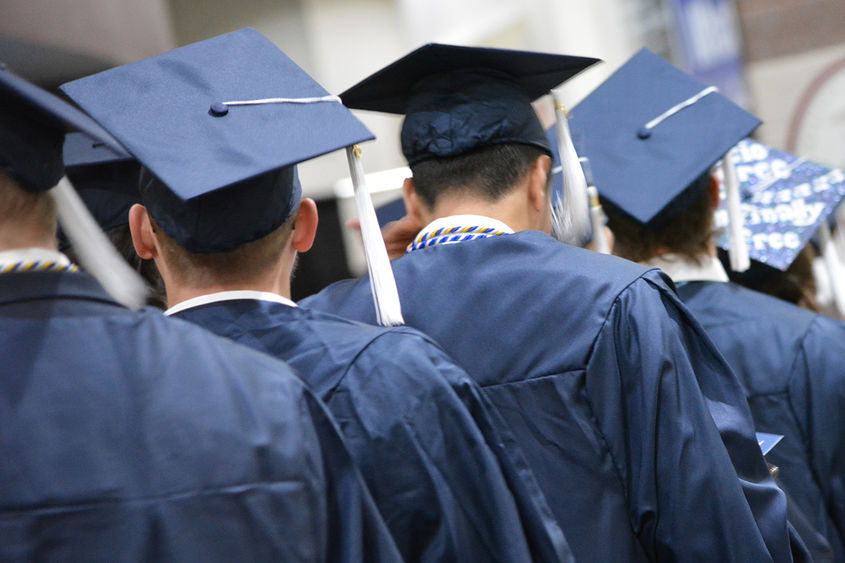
782,59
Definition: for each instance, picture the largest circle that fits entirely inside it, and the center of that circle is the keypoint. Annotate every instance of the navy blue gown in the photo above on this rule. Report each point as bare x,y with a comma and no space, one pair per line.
131,437
611,389
449,484
792,365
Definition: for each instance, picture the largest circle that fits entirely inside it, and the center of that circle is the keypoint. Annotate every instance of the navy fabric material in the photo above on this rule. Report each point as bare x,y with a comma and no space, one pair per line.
453,113
205,169
791,363
456,99
32,126
391,88
159,109
677,151
610,387
417,426
128,436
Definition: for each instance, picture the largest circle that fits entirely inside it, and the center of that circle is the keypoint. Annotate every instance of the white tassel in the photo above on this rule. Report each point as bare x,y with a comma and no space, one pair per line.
737,248
382,282
96,254
839,235
597,221
834,267
571,217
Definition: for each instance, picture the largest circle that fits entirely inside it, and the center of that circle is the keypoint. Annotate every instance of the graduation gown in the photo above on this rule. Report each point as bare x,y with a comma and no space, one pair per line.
792,365
128,436
417,426
611,389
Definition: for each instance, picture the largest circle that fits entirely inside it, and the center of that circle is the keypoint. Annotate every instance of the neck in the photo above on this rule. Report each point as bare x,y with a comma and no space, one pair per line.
179,288
12,239
510,209
711,250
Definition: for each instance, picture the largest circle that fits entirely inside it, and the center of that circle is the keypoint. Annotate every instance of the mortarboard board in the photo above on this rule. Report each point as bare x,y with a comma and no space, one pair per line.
33,123
652,130
220,124
456,99
106,180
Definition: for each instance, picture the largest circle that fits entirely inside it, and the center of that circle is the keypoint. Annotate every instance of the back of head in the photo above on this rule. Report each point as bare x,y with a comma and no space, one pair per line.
487,172
240,266
687,231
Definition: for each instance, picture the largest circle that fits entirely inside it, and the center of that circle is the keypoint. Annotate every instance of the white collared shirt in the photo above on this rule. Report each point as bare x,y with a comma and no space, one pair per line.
228,296
34,254
682,269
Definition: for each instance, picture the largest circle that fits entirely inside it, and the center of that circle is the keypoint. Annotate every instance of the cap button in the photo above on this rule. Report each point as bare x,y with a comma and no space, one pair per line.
218,109
644,133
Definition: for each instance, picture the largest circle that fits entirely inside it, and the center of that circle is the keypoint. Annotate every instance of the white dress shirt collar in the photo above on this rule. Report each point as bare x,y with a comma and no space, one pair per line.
228,296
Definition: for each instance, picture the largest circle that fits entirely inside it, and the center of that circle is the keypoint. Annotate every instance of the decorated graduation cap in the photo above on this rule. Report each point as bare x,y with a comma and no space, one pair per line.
219,126
33,124
106,179
652,130
785,200
456,99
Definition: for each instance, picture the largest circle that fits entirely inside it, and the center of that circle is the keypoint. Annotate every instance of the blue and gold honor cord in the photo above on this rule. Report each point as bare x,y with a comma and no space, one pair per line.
446,235
38,266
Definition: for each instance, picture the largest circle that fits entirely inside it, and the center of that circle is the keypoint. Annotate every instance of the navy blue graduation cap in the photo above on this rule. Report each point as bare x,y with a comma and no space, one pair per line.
106,179
33,124
784,200
218,126
456,99
651,130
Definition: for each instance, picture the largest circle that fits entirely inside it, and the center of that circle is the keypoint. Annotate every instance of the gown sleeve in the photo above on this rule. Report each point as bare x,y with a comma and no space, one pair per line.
681,435
435,479
817,389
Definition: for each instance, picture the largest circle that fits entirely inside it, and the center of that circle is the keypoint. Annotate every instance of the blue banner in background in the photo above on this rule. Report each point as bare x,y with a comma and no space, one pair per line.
708,44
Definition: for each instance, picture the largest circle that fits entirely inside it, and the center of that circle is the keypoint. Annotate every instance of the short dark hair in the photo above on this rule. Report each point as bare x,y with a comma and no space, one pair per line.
688,232
489,172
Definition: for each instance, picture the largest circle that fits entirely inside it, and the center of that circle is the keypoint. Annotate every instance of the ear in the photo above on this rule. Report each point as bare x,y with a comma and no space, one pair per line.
714,192
143,235
305,228
538,183
414,207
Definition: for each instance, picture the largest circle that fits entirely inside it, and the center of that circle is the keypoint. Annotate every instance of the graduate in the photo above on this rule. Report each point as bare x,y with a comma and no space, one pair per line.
449,483
661,195
128,436
595,365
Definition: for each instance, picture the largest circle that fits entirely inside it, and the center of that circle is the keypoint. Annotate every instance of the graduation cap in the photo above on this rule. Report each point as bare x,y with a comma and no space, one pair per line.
219,126
652,130
785,200
456,99
33,123
106,179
